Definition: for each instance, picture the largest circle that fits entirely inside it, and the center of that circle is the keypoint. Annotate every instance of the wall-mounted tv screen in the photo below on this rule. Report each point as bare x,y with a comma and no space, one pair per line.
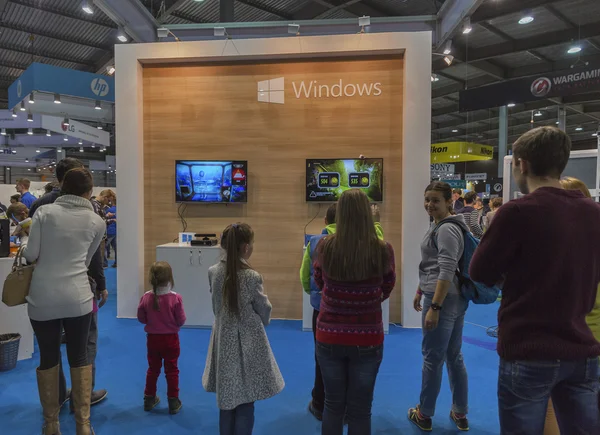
327,179
211,181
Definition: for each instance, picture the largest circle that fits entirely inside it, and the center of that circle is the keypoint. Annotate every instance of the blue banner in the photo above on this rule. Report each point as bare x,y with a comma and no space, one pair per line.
47,78
456,184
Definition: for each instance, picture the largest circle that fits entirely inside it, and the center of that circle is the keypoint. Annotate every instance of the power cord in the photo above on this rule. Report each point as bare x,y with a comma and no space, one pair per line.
310,221
180,212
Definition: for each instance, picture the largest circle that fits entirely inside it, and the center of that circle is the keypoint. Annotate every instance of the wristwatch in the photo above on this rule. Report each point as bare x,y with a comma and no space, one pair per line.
436,307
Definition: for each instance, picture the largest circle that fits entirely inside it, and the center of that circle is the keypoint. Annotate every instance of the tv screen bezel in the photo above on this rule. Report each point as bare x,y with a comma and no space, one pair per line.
211,202
341,158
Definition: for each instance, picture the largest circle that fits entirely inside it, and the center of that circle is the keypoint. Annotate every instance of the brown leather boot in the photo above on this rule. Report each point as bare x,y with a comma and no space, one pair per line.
81,393
48,389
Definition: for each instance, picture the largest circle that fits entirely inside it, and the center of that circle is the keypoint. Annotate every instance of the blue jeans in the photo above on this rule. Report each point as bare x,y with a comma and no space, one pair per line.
238,421
524,388
349,374
443,345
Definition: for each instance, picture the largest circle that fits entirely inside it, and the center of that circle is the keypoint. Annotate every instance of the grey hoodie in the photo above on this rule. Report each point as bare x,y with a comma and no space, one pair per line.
441,262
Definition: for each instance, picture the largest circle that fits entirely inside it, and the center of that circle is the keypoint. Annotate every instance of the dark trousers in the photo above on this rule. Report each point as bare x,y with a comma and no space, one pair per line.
349,374
163,347
92,350
49,333
238,421
111,241
524,388
318,392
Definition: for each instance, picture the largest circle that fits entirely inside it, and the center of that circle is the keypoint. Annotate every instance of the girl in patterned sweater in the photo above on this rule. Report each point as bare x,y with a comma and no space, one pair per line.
240,366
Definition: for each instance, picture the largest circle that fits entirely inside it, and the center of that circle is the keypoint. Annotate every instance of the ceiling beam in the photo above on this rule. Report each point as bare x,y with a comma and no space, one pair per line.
550,8
491,9
36,32
333,9
451,16
40,6
170,9
266,8
316,7
11,65
559,65
53,56
186,17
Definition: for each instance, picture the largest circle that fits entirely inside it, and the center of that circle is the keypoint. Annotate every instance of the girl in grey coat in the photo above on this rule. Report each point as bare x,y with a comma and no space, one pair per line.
240,366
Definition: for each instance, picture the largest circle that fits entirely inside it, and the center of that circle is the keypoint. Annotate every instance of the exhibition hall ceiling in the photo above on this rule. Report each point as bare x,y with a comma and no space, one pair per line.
509,39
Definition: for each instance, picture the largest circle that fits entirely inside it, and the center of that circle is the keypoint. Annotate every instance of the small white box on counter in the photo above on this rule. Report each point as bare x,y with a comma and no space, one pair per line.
185,238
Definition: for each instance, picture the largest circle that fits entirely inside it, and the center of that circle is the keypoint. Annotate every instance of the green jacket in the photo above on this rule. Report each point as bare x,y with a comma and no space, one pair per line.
593,319
306,268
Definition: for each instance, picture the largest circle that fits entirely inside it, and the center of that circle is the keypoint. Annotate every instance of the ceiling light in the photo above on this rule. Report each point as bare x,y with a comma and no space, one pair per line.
80,149
449,59
511,105
57,99
31,99
99,127
98,105
23,106
595,134
574,49
526,19
110,70
455,131
103,149
557,122
65,122
80,142
8,168
48,133
66,138
30,117
87,7
26,160
30,131
29,169
579,128
467,28
538,113
121,35
435,78
448,47
14,113
93,145
14,151
38,151
59,149
3,132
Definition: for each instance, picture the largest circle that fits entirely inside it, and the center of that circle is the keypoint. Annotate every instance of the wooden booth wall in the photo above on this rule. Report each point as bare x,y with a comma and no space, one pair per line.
211,112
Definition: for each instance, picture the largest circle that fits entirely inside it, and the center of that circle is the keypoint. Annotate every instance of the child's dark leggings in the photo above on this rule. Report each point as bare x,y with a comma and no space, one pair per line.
238,421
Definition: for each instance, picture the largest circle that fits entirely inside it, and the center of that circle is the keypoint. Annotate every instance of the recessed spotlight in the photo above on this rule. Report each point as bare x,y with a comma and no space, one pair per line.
579,128
87,7
557,122
99,127
526,19
455,131
57,99
448,47
80,149
121,35
538,113
38,151
595,134
574,49
93,145
26,160
511,105
14,151
467,28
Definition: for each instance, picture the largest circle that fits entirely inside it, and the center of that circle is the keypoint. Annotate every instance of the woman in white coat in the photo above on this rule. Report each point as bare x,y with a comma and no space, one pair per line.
62,240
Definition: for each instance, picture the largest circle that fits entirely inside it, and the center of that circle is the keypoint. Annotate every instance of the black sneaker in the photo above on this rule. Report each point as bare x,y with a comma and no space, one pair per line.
150,402
314,411
174,405
462,423
424,423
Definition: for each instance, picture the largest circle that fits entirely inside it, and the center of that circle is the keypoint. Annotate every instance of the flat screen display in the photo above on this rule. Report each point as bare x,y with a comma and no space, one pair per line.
211,181
327,179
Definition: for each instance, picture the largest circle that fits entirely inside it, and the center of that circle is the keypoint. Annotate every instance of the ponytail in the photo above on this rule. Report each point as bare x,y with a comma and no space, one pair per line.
234,237
161,275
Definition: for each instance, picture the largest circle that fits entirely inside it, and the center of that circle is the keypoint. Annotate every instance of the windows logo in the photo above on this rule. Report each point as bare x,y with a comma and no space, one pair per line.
271,91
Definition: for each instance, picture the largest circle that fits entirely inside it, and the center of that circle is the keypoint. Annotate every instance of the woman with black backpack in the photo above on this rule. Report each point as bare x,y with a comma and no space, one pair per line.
443,309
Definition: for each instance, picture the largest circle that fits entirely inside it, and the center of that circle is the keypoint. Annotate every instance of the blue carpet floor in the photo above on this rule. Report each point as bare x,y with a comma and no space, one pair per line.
122,365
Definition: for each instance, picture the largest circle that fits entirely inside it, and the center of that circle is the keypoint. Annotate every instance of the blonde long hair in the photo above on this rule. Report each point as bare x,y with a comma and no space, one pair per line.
572,183
353,253
160,275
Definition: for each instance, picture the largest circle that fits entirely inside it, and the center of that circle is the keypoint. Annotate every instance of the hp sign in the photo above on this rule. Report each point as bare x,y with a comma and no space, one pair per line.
99,87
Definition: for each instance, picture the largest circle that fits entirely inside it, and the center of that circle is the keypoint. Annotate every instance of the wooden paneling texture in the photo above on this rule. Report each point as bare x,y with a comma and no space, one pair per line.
211,112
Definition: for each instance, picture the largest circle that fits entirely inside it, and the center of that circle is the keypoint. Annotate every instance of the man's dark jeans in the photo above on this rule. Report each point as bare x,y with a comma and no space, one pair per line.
318,392
524,388
349,374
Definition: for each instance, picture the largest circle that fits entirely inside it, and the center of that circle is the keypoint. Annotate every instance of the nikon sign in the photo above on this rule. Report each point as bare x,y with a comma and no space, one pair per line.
451,152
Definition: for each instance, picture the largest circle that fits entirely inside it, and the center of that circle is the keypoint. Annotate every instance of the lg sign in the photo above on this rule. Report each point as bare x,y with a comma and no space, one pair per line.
100,87
68,127
541,87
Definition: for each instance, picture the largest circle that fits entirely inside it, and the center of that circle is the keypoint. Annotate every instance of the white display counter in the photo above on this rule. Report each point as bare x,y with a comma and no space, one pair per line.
15,319
190,272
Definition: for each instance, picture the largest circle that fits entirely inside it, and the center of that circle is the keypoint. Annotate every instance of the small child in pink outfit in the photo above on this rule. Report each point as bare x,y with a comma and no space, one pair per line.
161,310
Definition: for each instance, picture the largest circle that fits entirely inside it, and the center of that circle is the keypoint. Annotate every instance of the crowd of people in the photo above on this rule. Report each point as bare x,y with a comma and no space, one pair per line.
542,249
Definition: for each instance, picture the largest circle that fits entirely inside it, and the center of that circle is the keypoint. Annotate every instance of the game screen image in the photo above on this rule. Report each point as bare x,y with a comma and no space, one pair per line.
211,181
327,179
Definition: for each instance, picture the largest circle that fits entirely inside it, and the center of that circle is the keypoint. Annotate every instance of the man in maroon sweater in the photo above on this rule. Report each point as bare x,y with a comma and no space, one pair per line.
545,247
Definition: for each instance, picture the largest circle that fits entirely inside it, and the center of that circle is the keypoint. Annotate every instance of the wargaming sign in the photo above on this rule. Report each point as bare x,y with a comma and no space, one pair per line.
558,84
